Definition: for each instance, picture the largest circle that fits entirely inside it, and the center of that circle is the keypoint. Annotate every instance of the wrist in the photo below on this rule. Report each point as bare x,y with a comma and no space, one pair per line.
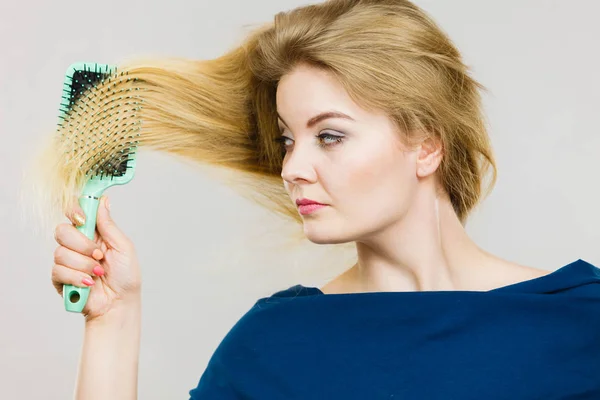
122,312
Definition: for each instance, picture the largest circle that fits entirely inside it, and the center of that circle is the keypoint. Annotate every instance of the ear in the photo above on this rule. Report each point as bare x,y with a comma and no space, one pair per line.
429,157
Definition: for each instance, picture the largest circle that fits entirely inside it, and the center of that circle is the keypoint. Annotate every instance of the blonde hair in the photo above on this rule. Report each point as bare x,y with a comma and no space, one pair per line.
388,55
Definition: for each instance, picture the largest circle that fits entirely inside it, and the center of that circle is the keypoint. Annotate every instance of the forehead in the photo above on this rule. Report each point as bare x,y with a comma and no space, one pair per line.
307,91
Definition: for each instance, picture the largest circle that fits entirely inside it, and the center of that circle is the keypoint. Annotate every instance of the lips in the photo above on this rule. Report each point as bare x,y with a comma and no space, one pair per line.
306,202
310,208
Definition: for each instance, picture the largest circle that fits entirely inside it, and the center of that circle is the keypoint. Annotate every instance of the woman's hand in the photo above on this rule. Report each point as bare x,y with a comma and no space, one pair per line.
108,264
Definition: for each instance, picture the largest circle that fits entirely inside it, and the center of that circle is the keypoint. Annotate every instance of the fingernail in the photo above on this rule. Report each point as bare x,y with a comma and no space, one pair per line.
98,270
97,254
106,203
88,281
79,219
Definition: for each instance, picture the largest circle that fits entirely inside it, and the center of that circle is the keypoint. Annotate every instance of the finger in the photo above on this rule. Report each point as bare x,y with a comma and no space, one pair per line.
76,214
68,236
62,275
77,261
109,231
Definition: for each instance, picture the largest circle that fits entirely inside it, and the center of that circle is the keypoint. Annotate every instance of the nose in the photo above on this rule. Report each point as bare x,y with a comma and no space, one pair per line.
298,167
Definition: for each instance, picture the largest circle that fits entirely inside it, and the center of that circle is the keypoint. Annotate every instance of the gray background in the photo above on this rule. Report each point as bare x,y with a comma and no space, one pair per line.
205,252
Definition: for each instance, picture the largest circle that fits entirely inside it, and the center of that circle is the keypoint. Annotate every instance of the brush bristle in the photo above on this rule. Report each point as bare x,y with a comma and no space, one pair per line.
99,129
98,134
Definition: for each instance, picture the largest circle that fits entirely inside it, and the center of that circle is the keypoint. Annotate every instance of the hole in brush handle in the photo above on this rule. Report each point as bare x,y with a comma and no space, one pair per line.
75,298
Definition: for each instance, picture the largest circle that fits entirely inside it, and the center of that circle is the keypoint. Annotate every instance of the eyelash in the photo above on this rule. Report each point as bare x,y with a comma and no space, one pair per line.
338,139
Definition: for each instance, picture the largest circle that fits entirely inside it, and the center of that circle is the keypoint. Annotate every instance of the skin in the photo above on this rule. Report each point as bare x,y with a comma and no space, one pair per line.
108,365
380,194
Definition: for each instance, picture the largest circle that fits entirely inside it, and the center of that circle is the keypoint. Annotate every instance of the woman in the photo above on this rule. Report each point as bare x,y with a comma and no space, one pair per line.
366,108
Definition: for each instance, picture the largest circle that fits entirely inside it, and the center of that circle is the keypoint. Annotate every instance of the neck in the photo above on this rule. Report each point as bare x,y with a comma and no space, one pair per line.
428,249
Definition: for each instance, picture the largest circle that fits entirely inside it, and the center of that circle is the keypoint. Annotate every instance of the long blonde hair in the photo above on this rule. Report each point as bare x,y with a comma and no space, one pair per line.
388,55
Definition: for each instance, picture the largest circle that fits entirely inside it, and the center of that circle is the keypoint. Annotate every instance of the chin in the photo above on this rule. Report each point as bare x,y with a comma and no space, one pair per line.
317,234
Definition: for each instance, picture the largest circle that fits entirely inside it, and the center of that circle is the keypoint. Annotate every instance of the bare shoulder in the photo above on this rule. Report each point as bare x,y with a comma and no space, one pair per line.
530,272
340,284
507,273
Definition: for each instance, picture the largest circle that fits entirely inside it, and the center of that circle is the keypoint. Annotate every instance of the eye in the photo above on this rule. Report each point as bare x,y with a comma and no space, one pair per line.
281,140
325,140
334,139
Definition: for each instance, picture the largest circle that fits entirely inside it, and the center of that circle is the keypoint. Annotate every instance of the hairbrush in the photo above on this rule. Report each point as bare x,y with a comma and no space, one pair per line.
98,127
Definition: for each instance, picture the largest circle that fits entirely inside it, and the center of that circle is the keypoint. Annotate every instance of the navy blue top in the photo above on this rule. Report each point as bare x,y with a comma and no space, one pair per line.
537,339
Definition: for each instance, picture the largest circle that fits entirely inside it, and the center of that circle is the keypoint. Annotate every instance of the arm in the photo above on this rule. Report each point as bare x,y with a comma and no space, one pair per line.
108,367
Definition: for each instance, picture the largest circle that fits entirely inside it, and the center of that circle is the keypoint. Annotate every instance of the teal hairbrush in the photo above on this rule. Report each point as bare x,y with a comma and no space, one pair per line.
99,133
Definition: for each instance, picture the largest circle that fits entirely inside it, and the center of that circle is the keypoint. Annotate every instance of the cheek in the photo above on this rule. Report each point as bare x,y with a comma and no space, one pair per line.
375,182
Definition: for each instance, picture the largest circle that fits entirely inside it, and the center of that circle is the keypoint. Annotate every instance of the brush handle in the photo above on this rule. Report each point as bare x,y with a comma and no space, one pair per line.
76,297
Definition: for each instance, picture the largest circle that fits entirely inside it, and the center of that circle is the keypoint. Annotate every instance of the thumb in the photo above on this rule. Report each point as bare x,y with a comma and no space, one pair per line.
107,228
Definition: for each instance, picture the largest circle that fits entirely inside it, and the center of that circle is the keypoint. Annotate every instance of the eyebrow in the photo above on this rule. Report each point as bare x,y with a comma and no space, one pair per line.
320,117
